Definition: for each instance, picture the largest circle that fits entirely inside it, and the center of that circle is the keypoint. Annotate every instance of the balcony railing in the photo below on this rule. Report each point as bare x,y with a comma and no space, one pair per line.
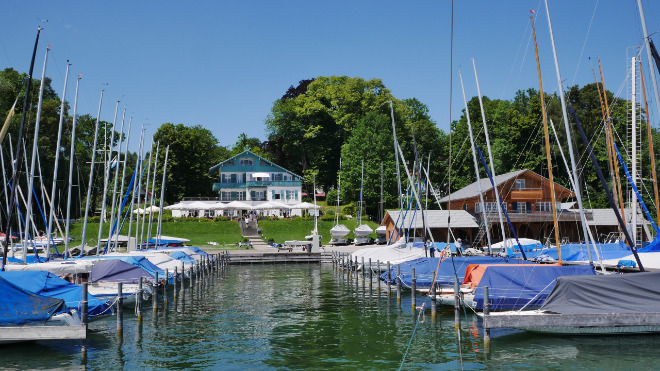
255,184
273,183
526,194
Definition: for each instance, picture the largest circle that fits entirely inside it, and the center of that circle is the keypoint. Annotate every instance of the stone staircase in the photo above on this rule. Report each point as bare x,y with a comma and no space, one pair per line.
251,231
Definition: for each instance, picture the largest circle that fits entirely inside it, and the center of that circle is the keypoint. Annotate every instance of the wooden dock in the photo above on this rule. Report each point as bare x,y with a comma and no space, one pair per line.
36,333
276,257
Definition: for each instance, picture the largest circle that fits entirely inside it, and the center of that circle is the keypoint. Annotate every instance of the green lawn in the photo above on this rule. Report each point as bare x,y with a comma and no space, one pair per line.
282,230
198,232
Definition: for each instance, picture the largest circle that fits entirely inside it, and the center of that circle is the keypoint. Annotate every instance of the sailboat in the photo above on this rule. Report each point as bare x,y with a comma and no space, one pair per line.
362,231
339,231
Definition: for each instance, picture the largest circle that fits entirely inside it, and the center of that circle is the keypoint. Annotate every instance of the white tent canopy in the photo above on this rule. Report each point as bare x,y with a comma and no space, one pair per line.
178,206
237,205
305,205
260,175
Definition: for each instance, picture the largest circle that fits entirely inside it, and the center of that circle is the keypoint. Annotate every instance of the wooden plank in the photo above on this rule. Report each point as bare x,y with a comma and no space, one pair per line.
34,333
571,320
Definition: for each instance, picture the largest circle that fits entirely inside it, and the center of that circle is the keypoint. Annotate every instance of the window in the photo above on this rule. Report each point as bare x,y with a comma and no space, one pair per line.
544,207
276,196
257,195
225,196
245,161
520,183
491,207
277,176
226,178
465,207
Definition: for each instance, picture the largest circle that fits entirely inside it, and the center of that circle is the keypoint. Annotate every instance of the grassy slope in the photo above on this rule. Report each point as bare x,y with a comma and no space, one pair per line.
282,230
198,232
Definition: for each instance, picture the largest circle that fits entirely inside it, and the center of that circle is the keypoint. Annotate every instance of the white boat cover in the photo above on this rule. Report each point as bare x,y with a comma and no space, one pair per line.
395,253
614,293
381,231
57,267
339,231
362,230
650,260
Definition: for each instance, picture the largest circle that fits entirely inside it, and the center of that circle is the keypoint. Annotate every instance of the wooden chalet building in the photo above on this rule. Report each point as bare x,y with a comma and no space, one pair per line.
526,196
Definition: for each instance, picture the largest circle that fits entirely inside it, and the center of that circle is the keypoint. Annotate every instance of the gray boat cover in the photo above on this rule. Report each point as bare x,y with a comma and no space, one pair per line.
617,293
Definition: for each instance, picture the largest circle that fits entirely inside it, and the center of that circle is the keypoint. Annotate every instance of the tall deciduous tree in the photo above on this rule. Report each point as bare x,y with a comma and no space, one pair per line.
193,150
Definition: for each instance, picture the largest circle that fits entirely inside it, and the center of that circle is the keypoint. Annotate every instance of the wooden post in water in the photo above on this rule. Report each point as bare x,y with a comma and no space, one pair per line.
413,289
120,310
167,278
84,305
355,269
176,277
183,277
457,305
433,299
154,295
486,313
398,284
378,276
389,280
138,300
191,275
371,274
363,271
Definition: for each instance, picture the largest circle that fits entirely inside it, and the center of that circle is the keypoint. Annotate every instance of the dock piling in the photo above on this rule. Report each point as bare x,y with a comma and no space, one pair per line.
378,277
457,305
389,280
398,284
120,310
167,278
176,277
84,304
486,313
371,274
154,295
138,300
433,299
413,293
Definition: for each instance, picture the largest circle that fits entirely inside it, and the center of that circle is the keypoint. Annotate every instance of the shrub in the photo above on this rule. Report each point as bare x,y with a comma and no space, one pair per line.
331,196
350,209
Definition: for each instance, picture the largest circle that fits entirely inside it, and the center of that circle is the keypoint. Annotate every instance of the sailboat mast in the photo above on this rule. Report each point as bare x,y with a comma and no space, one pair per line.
361,187
381,206
35,143
14,180
106,178
123,183
396,144
633,123
49,226
608,121
159,229
117,164
338,190
146,194
651,153
490,156
476,165
562,99
91,177
647,42
153,191
547,147
72,153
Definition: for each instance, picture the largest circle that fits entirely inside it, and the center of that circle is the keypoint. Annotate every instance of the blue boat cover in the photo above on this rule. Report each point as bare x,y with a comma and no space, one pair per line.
447,271
512,287
578,252
30,259
180,255
165,242
118,271
19,306
47,284
137,260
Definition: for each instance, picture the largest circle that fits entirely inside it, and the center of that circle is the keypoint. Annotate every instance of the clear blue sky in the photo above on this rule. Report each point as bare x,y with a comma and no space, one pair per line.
221,64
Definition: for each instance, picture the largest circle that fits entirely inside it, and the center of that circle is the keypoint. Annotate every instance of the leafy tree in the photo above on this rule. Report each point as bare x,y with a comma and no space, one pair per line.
193,150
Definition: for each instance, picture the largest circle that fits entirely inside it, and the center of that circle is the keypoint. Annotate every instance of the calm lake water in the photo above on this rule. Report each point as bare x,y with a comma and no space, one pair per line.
310,317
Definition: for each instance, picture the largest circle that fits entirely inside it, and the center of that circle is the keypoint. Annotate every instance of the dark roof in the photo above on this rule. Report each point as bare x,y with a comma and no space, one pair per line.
215,168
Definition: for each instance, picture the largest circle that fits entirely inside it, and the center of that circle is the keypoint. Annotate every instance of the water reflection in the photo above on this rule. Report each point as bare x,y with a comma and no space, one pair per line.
311,317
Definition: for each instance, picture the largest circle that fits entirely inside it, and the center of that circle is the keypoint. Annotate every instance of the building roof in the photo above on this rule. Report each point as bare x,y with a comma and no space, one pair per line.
606,217
472,190
214,170
437,219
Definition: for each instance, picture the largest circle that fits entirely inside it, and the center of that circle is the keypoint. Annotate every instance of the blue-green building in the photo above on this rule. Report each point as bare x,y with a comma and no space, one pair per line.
249,177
